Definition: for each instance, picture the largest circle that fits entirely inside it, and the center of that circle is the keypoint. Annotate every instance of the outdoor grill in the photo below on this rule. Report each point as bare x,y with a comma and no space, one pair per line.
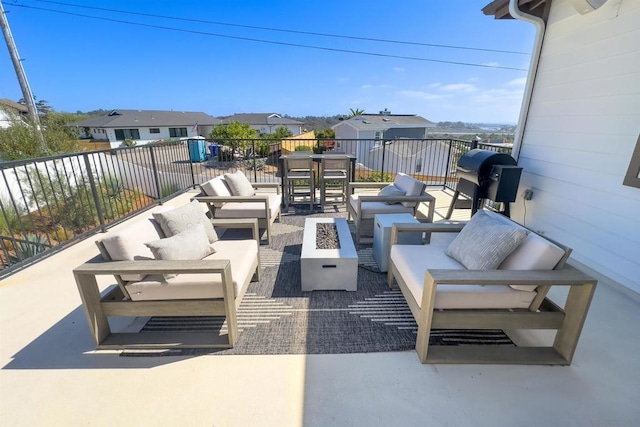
486,175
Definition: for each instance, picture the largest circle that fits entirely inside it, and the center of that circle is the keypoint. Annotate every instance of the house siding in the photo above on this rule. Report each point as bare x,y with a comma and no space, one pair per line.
409,133
581,130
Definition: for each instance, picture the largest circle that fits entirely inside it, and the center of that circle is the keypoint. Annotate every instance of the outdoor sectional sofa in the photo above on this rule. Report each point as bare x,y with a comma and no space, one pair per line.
490,273
194,276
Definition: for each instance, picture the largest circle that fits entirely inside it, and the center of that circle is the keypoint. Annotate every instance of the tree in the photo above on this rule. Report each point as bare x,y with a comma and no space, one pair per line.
356,112
281,133
42,105
326,133
234,134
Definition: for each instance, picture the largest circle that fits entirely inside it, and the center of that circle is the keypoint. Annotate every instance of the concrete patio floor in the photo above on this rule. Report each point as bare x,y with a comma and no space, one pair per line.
51,376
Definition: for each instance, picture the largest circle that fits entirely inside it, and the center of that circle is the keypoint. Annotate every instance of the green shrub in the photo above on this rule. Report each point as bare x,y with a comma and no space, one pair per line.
10,216
376,177
169,189
303,148
32,245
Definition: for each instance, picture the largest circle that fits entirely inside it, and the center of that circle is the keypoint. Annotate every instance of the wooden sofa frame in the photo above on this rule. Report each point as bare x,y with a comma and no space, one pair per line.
364,226
216,202
117,303
541,314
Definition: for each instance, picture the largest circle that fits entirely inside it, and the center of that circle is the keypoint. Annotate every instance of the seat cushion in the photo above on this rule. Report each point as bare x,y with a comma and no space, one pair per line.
241,253
411,187
413,262
250,209
216,187
391,191
369,209
239,184
184,217
485,242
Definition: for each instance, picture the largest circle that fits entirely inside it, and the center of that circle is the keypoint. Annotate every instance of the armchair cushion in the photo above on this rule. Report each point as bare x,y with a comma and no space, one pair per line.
391,191
240,253
369,209
190,244
184,217
250,209
410,185
239,184
485,242
216,187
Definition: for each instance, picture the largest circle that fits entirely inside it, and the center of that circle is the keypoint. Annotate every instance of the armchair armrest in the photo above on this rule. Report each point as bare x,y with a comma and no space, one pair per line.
239,223
355,185
566,276
153,267
428,227
275,185
225,199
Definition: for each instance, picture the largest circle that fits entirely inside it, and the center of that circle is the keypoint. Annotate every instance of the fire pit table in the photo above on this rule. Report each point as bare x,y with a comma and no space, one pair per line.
328,269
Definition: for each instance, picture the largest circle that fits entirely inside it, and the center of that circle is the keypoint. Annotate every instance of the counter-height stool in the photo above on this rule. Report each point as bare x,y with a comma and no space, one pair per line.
299,179
334,175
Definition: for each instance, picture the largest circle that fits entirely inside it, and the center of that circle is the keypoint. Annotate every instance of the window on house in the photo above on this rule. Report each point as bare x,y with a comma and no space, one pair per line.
177,132
122,134
378,135
632,178
154,130
418,165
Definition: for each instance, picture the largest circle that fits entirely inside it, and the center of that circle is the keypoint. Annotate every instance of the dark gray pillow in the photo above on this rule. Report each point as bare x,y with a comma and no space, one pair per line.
485,242
188,216
391,191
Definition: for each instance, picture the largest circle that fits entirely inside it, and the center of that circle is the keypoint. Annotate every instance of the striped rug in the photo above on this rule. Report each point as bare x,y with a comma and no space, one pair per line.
276,317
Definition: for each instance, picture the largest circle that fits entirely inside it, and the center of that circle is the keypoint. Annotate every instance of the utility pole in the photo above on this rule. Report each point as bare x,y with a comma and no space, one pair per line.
22,77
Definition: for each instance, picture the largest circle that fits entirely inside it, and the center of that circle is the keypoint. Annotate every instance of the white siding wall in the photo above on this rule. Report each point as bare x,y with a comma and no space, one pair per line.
147,137
582,127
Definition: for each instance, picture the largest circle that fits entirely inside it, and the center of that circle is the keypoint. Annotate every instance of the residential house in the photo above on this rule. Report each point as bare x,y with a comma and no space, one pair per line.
578,135
266,122
144,126
371,127
417,157
9,110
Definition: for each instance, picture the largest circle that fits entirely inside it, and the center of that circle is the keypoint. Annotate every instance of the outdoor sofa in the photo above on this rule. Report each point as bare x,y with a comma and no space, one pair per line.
403,195
171,263
233,196
490,273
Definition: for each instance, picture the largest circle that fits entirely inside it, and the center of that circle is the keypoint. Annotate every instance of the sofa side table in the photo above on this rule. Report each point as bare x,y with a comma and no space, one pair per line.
382,236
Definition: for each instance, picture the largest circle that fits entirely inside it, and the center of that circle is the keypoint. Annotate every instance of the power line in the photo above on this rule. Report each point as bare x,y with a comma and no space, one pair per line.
356,52
282,30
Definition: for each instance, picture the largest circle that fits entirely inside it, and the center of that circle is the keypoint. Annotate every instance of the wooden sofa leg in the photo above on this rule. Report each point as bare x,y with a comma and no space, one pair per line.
425,317
230,306
576,308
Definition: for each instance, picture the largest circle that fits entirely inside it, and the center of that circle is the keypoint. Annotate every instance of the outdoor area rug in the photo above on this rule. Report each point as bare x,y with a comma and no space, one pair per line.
276,317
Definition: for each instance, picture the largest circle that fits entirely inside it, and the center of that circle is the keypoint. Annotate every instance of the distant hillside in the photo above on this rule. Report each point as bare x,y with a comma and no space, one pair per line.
317,123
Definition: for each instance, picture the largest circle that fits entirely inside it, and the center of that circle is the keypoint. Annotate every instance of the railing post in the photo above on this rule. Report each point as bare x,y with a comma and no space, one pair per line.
384,148
156,176
94,192
449,159
255,168
193,176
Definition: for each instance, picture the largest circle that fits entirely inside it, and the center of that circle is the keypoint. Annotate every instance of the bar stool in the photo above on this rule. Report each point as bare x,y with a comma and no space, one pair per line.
299,179
334,175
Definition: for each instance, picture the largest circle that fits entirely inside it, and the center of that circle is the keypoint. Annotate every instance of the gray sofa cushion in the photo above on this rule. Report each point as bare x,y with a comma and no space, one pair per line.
190,244
216,187
391,191
184,217
485,242
239,184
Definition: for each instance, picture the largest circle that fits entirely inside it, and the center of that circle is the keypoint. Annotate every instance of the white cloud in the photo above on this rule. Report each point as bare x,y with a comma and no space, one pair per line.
399,69
460,87
435,85
517,82
499,95
473,79
419,94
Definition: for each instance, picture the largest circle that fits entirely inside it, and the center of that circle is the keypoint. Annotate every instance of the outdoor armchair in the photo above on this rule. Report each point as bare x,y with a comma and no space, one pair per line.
443,293
242,201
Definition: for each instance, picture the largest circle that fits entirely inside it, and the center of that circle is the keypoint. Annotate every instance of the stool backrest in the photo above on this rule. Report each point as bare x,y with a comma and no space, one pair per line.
336,163
298,163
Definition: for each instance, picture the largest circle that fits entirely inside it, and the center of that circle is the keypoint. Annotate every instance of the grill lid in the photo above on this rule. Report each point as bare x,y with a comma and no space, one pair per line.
475,165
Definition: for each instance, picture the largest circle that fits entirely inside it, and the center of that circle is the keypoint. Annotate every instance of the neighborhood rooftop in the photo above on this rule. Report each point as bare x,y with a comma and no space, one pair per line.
134,118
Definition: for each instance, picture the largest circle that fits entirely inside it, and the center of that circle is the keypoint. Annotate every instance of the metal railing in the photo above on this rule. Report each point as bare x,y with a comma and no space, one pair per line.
49,203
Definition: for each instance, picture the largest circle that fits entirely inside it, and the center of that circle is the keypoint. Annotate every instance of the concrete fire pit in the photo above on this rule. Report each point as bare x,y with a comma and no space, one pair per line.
328,269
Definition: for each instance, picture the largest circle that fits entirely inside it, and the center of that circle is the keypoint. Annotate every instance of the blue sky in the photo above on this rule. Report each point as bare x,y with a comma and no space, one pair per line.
79,63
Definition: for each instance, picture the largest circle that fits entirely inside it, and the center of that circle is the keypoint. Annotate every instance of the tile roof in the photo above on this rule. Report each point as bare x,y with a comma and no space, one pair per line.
149,118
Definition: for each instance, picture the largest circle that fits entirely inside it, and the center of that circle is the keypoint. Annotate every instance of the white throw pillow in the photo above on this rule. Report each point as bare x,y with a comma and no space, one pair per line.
184,217
411,187
391,191
190,244
239,184
216,187
485,242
